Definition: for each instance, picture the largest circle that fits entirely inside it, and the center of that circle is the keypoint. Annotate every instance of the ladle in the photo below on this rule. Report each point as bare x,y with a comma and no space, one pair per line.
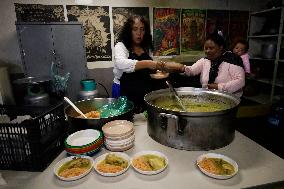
75,107
172,89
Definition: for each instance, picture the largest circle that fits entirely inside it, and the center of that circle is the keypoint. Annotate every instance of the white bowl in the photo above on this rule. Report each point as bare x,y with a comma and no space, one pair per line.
117,128
146,153
119,149
102,157
120,142
159,75
213,155
65,160
122,137
83,137
119,145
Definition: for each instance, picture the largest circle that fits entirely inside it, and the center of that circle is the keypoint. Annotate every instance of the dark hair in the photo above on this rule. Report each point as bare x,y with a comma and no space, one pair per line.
218,39
126,33
242,41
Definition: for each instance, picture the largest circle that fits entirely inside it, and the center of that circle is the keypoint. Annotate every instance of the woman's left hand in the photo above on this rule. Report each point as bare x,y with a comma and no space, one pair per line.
213,86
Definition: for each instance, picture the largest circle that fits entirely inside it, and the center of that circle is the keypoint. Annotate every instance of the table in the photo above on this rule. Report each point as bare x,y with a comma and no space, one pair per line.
256,166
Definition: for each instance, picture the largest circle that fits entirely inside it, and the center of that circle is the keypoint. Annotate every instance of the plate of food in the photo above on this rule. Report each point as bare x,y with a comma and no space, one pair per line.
73,167
149,162
159,75
112,164
217,166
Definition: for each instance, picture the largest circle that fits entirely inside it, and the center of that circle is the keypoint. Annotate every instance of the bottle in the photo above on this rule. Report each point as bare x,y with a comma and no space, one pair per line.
88,89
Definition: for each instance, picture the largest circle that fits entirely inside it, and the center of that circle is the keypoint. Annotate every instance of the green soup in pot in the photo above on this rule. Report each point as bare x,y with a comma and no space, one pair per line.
192,104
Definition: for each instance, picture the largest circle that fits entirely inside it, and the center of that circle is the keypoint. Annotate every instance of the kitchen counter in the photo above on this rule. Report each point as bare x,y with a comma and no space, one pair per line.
257,166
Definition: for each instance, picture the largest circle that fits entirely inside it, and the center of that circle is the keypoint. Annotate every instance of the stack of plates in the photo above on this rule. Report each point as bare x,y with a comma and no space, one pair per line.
85,142
118,135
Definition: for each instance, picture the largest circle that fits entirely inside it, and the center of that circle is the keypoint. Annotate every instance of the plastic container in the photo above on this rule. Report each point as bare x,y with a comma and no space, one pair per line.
88,89
31,145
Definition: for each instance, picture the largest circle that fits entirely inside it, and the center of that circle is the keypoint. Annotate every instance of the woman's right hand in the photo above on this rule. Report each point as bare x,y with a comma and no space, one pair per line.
174,66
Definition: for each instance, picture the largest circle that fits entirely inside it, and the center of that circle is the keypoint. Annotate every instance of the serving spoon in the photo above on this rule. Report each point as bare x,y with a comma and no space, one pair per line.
75,107
172,89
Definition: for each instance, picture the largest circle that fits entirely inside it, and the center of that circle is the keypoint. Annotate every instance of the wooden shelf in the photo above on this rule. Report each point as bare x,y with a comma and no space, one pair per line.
278,83
264,12
262,59
263,80
263,36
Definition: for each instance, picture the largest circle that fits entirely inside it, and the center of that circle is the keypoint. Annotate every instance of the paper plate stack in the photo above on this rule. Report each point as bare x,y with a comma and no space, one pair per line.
118,135
85,142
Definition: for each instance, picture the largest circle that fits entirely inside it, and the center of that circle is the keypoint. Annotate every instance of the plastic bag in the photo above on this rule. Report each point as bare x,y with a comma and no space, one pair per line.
115,108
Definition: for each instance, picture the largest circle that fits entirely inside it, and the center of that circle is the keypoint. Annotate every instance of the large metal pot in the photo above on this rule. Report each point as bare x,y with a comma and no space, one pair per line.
192,130
86,106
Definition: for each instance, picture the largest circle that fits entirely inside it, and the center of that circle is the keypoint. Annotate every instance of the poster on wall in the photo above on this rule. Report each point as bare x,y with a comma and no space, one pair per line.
192,30
238,27
39,13
166,31
96,23
218,21
121,14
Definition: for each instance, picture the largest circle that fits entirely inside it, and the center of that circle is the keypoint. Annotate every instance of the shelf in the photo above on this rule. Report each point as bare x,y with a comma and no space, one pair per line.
263,36
264,12
263,32
278,83
263,59
261,98
263,80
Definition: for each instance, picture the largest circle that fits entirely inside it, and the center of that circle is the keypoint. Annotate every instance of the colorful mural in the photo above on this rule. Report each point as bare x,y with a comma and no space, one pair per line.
192,30
166,31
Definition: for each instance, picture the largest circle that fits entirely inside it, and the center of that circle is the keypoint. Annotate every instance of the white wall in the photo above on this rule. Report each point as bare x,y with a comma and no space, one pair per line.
9,51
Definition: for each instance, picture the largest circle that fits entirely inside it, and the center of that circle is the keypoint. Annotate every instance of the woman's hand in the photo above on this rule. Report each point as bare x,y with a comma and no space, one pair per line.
173,66
160,65
213,86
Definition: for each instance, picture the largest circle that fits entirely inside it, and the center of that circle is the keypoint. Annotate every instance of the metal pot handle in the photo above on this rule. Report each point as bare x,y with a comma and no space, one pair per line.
164,122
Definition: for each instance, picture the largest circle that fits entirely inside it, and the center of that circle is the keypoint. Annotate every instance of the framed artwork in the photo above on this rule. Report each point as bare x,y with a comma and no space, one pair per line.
96,23
39,13
166,31
192,30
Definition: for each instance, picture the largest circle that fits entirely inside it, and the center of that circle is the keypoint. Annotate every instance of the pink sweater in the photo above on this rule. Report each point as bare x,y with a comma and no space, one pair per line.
245,58
231,78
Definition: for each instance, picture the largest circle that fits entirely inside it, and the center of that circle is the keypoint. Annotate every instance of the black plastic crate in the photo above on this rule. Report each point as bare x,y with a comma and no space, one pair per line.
32,144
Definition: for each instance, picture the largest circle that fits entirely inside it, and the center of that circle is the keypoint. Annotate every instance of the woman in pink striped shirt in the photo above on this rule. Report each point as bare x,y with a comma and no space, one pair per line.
219,70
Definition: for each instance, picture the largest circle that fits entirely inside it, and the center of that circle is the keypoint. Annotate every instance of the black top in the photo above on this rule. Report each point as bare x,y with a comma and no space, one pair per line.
136,85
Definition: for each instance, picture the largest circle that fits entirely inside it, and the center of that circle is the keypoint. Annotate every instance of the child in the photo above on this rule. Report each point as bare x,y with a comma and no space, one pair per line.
241,48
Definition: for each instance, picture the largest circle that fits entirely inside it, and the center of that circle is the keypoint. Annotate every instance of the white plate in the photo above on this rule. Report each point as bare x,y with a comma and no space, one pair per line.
83,137
213,155
118,128
153,153
159,75
65,160
102,157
